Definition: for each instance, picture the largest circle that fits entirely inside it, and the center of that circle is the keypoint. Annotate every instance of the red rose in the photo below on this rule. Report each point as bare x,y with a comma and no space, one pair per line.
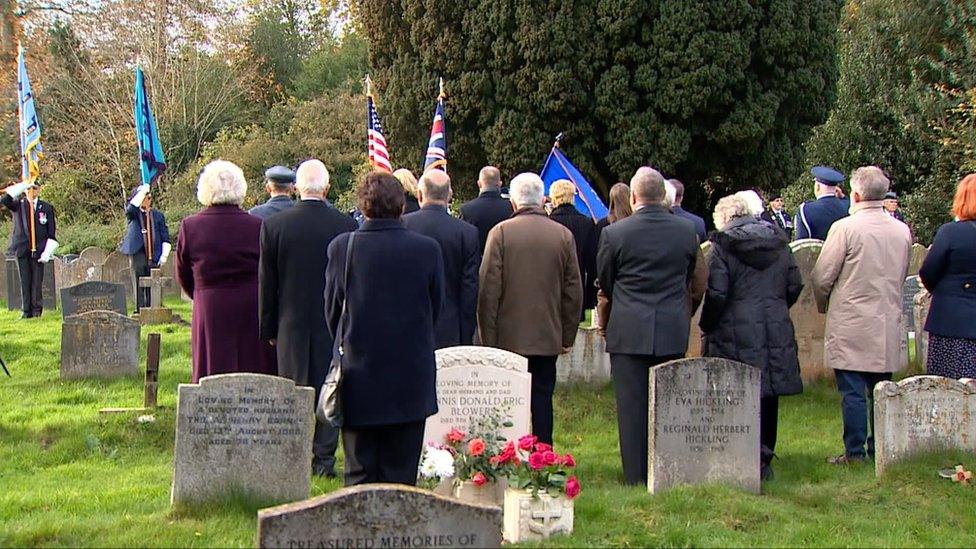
527,442
479,479
507,454
476,447
549,457
455,436
572,487
536,461
543,447
568,460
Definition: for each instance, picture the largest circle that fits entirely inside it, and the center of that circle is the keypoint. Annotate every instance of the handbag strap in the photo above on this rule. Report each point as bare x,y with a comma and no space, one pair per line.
340,331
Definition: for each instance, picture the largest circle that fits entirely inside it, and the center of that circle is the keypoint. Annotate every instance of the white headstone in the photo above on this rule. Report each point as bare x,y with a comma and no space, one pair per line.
587,362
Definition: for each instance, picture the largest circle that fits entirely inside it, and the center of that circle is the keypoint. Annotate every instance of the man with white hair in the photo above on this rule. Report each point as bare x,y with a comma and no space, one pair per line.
646,280
462,257
490,208
292,292
531,293
858,282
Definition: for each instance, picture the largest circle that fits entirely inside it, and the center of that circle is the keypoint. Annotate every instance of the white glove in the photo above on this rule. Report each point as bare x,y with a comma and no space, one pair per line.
16,190
167,247
48,250
140,196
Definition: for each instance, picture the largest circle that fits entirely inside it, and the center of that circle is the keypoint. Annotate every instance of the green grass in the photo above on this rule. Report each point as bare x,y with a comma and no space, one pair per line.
70,476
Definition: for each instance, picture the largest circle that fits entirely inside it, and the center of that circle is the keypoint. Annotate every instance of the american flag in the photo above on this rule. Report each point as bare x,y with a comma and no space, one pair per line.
437,145
379,157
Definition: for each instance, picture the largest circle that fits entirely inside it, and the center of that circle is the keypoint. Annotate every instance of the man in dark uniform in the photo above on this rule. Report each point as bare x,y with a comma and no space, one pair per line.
146,239
459,248
278,182
32,242
815,217
778,216
890,204
291,299
490,208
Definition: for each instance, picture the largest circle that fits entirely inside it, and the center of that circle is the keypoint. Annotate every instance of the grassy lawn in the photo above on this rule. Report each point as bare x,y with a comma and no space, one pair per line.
70,476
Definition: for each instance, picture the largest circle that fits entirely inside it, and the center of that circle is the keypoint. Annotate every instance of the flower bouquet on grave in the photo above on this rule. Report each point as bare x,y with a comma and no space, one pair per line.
539,500
436,465
482,462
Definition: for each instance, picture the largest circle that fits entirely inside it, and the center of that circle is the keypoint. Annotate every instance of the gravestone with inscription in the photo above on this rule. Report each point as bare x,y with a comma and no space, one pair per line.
76,272
703,424
922,414
93,296
48,293
99,344
909,290
808,323
378,516
475,381
243,434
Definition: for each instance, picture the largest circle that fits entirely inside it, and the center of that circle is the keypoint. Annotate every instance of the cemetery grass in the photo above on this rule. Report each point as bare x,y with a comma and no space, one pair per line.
70,476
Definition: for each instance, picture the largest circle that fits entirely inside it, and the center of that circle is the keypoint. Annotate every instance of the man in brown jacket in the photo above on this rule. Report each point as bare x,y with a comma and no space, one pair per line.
858,282
530,293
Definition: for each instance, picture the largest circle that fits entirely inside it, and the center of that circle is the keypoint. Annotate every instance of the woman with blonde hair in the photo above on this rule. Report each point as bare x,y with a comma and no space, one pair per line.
217,254
409,184
752,283
562,193
949,273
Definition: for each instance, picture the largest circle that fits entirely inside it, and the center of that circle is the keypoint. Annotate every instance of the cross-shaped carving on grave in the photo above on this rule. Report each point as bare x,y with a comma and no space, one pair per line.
546,521
155,282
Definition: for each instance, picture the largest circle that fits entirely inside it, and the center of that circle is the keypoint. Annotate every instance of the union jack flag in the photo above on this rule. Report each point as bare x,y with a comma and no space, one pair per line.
379,157
437,145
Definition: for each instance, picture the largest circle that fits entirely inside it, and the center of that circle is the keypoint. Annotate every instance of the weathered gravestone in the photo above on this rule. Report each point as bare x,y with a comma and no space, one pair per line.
909,290
99,344
918,257
475,381
169,271
92,296
243,434
155,313
76,272
48,293
703,424
97,257
922,302
808,323
3,279
695,333
587,362
922,414
377,516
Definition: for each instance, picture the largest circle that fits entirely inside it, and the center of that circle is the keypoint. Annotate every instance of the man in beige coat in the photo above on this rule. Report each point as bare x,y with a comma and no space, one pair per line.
858,282
530,293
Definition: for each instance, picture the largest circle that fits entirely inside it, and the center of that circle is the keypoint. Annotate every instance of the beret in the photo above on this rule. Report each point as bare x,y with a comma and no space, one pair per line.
280,174
891,195
827,175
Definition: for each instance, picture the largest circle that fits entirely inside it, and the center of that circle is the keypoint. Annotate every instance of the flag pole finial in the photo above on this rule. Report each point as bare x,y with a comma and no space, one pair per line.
441,94
369,86
556,141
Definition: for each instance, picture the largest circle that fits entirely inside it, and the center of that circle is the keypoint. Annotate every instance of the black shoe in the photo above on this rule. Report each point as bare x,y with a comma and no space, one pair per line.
25,316
766,472
323,470
845,459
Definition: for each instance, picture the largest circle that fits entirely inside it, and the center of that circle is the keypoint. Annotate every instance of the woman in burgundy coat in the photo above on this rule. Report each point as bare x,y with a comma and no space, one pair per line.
217,256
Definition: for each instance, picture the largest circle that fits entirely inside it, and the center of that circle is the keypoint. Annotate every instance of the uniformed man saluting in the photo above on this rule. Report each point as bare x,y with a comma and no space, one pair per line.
815,217
31,242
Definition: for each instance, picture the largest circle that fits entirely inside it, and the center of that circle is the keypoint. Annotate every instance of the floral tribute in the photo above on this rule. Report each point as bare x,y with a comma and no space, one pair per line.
536,467
476,453
436,464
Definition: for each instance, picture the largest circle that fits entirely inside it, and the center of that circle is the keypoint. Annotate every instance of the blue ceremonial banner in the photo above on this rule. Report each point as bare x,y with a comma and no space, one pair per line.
152,163
30,131
559,167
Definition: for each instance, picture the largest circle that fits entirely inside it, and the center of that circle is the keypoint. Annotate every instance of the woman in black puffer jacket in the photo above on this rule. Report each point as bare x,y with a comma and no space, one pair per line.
752,283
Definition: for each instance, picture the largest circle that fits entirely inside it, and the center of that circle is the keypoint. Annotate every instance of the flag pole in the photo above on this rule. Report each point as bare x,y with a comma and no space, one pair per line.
369,86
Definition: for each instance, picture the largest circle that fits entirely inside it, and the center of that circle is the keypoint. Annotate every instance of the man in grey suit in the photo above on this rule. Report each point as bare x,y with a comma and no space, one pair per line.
645,265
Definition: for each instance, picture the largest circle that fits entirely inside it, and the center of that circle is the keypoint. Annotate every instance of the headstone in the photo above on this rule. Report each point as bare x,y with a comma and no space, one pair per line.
922,302
703,424
169,270
126,279
808,323
587,362
93,296
909,290
377,516
918,257
155,313
68,258
695,333
76,272
475,381
96,255
48,293
115,262
3,279
243,434
922,414
99,344
152,371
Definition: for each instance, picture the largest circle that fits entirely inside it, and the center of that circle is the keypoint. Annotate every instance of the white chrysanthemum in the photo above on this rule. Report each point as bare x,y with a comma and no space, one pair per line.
437,463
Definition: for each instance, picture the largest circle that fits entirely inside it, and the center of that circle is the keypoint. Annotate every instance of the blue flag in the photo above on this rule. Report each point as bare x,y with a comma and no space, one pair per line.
587,201
152,163
30,131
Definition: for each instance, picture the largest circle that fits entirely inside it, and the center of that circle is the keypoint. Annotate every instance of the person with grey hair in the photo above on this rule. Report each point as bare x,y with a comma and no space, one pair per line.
217,253
752,283
462,257
647,282
292,293
278,183
858,282
678,210
531,293
490,208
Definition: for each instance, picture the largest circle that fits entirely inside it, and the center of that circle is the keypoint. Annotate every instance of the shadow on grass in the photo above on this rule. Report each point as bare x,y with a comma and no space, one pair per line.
233,502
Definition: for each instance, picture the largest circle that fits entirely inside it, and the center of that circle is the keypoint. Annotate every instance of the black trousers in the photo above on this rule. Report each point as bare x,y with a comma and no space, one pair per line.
140,267
384,453
543,370
630,376
31,285
768,421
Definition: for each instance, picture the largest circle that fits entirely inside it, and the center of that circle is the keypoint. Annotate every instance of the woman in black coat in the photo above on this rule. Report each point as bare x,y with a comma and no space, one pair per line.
562,193
392,302
752,283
